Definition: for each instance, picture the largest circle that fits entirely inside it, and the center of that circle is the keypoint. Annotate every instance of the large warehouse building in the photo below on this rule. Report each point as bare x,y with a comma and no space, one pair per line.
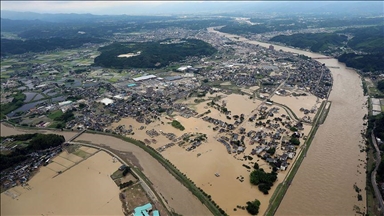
142,78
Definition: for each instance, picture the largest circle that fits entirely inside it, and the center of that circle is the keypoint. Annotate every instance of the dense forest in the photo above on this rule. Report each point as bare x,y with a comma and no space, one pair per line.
370,39
11,47
315,42
35,142
366,63
152,54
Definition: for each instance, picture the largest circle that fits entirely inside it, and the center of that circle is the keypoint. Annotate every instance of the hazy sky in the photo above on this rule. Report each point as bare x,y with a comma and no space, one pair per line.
94,7
180,7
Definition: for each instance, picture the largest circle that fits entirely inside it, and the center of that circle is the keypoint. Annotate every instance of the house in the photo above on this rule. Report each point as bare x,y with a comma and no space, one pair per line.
271,160
240,149
284,157
235,137
291,155
284,166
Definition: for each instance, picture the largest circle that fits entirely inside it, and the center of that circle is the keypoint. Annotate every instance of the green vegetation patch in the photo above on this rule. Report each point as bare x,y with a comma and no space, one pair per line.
55,114
253,207
18,101
11,47
178,125
81,153
369,39
263,180
365,62
31,143
151,54
315,42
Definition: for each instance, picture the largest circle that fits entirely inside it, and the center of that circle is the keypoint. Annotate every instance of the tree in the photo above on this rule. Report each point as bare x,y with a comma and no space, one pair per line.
380,85
294,141
253,207
271,151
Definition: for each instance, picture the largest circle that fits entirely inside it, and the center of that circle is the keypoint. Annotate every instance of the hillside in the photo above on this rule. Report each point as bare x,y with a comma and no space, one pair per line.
11,47
315,42
152,54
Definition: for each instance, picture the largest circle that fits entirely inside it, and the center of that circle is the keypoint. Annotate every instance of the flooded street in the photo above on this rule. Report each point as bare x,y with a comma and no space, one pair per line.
334,163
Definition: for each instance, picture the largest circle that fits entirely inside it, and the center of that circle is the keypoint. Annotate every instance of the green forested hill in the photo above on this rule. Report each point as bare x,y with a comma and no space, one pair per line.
152,54
315,42
370,39
10,47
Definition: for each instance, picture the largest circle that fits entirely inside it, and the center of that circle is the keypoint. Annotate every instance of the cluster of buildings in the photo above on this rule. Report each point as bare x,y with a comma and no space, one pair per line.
20,174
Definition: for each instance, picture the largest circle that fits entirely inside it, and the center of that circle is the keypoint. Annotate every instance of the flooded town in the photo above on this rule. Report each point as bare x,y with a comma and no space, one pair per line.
229,123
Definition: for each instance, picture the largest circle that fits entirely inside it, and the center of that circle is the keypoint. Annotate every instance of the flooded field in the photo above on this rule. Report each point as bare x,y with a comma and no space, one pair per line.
296,103
84,189
202,163
164,183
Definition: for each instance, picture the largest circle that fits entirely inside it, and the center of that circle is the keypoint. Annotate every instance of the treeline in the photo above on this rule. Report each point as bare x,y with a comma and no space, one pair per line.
153,54
315,42
35,142
366,63
11,47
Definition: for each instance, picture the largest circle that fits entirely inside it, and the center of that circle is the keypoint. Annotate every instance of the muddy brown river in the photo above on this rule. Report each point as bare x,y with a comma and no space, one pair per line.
324,182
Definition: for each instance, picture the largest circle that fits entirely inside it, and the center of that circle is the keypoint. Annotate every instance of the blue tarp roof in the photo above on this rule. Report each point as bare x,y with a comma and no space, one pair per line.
155,213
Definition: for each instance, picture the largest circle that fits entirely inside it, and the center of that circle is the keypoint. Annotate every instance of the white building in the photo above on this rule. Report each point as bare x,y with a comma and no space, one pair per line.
144,78
106,101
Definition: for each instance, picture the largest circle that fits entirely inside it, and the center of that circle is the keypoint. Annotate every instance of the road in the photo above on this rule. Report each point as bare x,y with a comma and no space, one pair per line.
373,175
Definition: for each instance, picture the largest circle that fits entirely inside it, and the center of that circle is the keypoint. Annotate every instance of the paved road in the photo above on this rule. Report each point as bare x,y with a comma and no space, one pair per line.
373,175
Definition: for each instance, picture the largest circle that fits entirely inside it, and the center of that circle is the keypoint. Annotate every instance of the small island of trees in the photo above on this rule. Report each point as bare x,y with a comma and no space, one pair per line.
178,125
253,207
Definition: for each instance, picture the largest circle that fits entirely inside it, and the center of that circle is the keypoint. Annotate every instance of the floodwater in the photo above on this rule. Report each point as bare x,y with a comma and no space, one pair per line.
169,187
29,96
26,107
84,189
202,163
324,183
178,197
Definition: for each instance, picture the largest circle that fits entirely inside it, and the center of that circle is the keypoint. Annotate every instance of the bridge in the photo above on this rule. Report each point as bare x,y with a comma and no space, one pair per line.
77,135
324,57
